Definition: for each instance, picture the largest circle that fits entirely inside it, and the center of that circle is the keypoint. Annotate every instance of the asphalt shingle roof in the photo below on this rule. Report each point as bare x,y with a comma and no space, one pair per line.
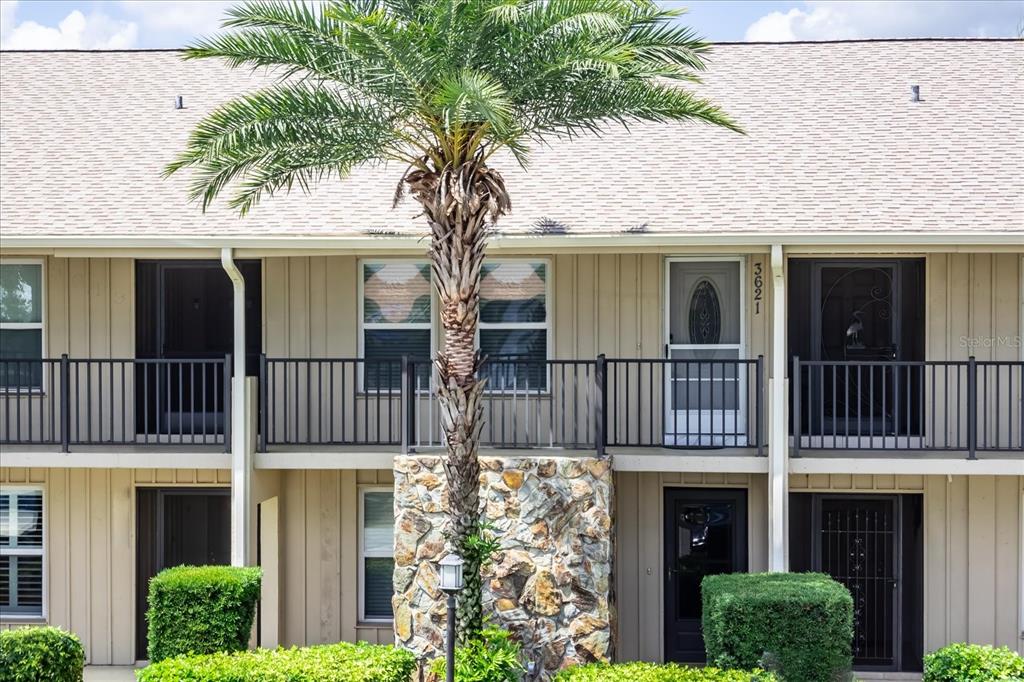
834,144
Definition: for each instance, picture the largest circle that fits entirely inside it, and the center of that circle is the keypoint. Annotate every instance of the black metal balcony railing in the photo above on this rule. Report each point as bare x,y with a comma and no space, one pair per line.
330,401
686,403
526,404
575,404
96,402
966,406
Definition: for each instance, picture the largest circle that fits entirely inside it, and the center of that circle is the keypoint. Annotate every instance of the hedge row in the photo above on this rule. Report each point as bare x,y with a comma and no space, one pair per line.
326,663
652,672
201,610
973,663
40,654
798,624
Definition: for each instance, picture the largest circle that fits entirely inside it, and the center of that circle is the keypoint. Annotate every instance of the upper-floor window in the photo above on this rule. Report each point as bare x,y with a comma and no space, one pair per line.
21,552
396,314
21,324
514,323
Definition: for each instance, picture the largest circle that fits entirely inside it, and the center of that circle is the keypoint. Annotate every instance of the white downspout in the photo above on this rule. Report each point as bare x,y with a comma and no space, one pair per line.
778,439
241,469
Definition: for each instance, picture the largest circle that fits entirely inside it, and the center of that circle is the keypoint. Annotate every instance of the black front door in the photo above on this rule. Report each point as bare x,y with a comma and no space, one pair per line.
872,544
178,526
705,534
184,311
861,323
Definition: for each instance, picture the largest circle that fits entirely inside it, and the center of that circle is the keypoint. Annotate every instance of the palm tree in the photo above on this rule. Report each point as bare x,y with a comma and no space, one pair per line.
439,87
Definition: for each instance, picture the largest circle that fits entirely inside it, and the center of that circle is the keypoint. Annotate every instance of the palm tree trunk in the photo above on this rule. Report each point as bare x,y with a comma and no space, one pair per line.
461,203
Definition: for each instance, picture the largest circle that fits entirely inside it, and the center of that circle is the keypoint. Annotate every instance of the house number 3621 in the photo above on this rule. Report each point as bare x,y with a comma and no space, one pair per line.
758,286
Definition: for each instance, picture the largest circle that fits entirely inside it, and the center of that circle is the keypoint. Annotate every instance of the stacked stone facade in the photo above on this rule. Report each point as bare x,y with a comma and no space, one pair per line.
551,582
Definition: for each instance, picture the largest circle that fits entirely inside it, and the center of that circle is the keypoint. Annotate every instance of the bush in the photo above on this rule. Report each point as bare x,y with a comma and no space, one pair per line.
651,672
201,610
801,622
492,657
973,663
326,663
40,654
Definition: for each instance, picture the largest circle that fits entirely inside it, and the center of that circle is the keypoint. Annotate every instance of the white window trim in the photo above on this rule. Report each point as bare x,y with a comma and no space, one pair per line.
40,552
362,325
545,325
41,325
363,555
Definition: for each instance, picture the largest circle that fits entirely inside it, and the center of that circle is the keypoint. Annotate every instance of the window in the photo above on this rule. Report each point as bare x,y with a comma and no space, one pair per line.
396,314
376,554
21,552
21,324
514,323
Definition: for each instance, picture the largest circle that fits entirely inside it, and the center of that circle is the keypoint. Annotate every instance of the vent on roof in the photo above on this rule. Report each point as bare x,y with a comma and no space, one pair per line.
179,102
915,93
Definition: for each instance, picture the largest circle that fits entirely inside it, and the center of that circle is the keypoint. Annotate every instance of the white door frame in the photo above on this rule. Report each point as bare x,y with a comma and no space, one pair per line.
740,348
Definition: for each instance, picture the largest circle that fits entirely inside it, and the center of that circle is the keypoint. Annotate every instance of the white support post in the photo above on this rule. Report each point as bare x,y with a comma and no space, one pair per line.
241,462
778,437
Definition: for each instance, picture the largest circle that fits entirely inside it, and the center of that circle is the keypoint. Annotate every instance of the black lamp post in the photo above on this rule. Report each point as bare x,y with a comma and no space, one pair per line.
451,583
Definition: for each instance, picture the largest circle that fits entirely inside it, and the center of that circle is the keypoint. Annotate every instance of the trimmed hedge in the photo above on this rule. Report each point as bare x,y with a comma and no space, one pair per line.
973,663
40,654
797,624
652,672
342,662
201,610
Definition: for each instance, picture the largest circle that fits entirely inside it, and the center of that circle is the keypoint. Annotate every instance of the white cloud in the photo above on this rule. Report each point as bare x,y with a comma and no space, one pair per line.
95,31
180,16
848,19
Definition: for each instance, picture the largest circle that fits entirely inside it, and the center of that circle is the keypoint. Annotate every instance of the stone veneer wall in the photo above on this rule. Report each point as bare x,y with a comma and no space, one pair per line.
551,583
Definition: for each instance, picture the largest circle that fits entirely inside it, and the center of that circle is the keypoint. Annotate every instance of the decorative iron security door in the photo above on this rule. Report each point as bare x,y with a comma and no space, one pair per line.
857,542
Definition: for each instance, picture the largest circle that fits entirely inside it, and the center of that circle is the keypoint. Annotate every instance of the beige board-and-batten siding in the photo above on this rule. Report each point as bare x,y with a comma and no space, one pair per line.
639,550
89,518
598,303
320,555
972,550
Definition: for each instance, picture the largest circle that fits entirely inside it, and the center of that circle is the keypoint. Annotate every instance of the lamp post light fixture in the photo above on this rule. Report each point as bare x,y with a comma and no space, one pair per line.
451,583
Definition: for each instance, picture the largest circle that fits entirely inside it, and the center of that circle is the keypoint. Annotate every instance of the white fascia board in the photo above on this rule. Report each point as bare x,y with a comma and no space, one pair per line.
516,241
985,465
126,458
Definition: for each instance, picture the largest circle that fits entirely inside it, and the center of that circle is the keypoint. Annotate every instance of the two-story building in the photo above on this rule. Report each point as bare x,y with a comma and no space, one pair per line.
800,349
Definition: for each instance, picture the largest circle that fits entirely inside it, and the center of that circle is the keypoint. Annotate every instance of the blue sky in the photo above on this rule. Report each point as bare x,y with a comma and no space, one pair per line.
107,24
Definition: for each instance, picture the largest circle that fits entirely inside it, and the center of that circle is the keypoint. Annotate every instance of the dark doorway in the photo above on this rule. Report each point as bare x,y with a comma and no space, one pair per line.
872,544
705,534
863,320
184,311
177,526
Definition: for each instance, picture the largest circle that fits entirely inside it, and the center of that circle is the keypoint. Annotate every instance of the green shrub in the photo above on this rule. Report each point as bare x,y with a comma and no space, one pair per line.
973,663
40,654
201,610
651,672
798,624
342,662
491,657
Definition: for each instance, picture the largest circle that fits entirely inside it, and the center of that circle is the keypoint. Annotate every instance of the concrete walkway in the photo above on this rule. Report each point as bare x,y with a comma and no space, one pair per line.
109,673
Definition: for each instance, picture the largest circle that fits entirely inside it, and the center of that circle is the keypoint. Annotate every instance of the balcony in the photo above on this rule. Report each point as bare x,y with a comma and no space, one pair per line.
702,407
960,408
75,404
555,404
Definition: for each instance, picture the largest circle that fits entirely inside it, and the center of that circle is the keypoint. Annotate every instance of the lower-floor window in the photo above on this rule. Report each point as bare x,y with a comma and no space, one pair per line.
376,542
21,552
